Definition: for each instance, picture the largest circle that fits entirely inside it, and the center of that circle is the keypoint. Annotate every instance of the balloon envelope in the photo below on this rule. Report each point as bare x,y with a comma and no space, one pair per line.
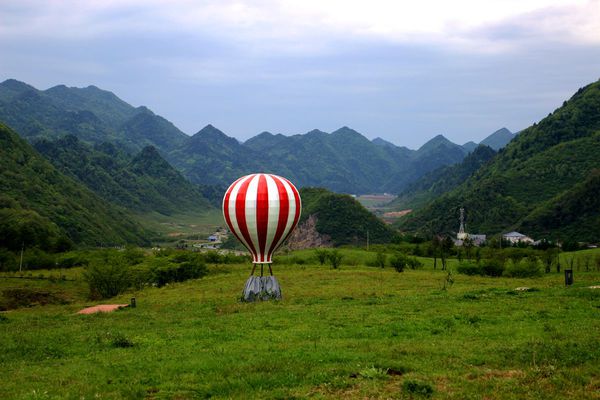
262,210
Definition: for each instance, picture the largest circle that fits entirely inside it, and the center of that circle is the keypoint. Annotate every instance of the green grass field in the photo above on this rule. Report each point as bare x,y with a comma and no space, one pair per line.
356,332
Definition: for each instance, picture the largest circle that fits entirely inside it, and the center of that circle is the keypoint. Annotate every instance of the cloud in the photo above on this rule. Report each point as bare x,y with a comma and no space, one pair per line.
313,26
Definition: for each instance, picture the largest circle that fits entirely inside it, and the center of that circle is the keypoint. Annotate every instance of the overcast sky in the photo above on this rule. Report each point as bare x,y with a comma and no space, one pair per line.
401,70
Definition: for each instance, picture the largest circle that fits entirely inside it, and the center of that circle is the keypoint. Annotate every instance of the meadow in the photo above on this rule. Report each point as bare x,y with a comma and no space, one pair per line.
353,332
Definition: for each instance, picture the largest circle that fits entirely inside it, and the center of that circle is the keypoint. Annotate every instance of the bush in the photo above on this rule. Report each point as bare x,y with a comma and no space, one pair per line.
380,259
469,268
418,388
492,267
321,255
398,262
414,263
8,261
178,268
107,278
70,260
526,268
335,258
38,259
133,255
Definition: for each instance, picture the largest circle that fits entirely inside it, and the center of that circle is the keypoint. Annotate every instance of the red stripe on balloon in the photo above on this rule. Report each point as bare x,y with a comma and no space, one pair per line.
284,207
226,209
262,214
240,214
298,206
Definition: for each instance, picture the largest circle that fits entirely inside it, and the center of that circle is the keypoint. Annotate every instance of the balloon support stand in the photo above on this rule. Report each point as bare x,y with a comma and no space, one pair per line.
261,288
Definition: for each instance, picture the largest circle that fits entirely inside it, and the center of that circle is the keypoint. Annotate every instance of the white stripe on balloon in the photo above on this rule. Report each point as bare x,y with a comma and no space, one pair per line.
231,205
273,211
251,211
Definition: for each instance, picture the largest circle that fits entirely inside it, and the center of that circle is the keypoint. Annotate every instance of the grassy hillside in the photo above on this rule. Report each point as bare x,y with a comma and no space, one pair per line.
33,190
535,170
354,333
342,218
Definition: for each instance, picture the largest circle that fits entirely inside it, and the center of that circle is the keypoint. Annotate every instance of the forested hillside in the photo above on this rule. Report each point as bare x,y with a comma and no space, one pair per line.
542,168
142,183
91,114
343,219
442,180
41,206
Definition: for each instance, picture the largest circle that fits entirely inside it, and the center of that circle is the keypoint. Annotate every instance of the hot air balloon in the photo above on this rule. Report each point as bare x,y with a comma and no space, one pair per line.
261,211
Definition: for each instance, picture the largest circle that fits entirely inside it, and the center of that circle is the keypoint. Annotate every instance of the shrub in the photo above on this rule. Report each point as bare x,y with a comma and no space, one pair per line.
321,255
213,257
38,259
178,269
398,262
107,278
492,267
418,388
8,261
469,268
380,259
335,258
70,260
133,255
527,267
414,263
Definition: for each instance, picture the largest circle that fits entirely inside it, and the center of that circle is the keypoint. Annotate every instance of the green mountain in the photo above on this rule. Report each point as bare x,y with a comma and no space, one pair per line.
434,154
91,114
344,160
498,139
41,206
537,171
212,158
342,218
442,180
143,183
470,146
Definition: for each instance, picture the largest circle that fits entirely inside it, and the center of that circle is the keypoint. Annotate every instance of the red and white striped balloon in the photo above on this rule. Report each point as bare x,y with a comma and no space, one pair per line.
262,210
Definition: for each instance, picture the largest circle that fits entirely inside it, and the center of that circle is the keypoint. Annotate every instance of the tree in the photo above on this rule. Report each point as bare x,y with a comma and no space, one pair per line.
468,246
445,248
548,257
435,248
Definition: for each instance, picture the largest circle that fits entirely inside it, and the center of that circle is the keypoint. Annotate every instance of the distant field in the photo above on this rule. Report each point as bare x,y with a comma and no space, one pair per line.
183,225
357,332
375,200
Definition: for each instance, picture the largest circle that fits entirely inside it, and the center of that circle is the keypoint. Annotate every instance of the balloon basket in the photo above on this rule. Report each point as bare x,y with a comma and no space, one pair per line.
261,288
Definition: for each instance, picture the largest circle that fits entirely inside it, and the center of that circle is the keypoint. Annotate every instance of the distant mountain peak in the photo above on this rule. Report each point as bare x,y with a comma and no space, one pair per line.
382,142
14,84
210,130
149,161
344,130
315,131
498,139
435,142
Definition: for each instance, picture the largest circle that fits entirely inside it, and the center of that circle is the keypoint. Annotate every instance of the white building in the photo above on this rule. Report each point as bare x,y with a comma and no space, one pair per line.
516,237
